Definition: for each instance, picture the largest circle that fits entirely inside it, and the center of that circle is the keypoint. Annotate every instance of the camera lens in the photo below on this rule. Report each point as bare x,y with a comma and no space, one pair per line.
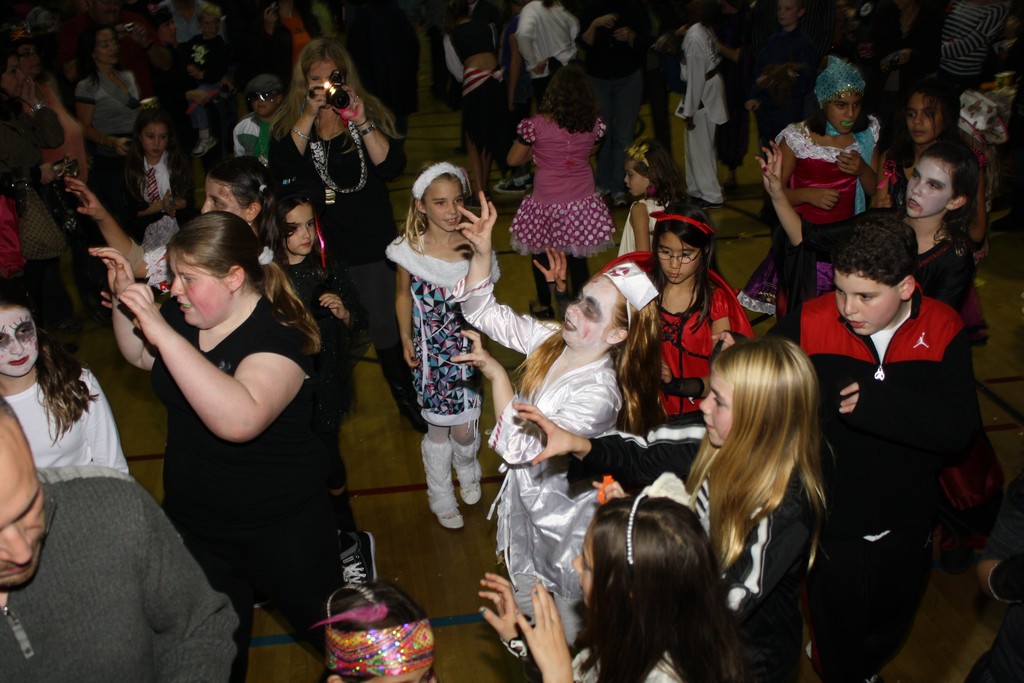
337,97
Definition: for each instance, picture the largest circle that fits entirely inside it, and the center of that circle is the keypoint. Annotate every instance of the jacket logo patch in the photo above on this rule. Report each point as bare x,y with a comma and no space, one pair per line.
921,342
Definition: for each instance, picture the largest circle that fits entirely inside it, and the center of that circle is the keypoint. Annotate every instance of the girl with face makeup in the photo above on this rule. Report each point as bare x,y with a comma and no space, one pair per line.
596,370
59,404
827,175
939,206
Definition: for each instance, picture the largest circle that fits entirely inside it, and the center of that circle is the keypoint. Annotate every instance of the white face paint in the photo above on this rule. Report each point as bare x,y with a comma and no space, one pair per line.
19,347
588,320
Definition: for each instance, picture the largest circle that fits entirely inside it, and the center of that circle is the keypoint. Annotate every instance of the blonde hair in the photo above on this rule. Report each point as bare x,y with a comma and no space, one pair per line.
775,435
328,50
208,9
637,362
415,220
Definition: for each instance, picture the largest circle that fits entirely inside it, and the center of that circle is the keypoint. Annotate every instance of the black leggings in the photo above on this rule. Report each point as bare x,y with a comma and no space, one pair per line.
294,562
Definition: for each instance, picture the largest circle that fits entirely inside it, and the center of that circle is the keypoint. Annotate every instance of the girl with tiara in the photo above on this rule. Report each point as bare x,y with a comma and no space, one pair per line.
432,257
597,370
828,175
655,610
377,632
653,179
755,478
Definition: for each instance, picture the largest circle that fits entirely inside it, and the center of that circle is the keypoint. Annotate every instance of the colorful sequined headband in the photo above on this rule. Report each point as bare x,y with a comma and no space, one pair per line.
840,78
638,152
390,651
705,228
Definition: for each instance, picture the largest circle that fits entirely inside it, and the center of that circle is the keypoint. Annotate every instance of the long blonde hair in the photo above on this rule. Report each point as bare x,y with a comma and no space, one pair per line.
328,50
637,366
775,434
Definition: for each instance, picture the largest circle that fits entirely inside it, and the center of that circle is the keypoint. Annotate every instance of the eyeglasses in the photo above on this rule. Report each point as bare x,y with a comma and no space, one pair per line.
263,96
682,257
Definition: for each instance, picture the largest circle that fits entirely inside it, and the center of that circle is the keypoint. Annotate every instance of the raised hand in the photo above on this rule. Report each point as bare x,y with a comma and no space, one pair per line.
502,618
119,270
478,229
771,169
145,314
546,638
556,270
478,357
558,441
90,205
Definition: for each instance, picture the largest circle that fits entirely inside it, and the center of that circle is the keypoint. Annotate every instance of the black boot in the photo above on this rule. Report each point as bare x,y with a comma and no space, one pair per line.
399,378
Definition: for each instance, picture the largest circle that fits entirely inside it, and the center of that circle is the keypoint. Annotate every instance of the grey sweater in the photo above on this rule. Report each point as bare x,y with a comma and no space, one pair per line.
117,597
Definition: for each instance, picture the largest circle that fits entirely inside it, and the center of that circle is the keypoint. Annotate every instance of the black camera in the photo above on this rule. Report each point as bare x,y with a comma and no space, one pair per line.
337,96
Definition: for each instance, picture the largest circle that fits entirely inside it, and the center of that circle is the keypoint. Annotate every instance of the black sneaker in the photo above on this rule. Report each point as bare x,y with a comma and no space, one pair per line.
357,562
705,204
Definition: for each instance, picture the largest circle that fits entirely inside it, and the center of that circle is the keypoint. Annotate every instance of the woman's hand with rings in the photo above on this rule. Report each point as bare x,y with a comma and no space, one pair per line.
355,111
502,619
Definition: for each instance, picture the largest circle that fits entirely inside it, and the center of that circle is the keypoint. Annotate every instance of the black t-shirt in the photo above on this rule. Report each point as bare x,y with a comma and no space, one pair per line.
213,485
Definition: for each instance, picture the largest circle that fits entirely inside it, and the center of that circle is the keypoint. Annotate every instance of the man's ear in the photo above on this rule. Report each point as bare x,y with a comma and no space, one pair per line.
616,336
906,287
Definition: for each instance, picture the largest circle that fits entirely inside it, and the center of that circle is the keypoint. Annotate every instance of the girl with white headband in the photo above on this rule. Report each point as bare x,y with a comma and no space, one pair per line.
655,609
244,474
598,370
432,257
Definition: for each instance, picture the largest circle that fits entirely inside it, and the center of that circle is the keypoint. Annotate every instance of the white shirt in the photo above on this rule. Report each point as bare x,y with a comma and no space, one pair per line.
545,32
92,440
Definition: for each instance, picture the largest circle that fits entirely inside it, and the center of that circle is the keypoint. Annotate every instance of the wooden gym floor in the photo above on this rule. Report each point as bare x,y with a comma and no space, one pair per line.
440,568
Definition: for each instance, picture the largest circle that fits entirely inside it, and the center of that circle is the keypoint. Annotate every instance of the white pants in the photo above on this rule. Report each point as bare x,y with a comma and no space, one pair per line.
702,159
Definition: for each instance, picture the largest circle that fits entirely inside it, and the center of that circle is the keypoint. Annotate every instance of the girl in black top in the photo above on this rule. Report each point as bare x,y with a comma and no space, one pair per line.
243,474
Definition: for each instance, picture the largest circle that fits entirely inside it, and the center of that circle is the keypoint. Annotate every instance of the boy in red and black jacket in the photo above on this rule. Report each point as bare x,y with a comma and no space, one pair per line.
897,395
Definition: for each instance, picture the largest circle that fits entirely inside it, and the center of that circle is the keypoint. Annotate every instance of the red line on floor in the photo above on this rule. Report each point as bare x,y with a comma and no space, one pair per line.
1002,427
1004,380
149,456
382,490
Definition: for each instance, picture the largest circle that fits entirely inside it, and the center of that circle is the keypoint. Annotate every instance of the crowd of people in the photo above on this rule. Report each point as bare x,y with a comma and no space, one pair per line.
674,487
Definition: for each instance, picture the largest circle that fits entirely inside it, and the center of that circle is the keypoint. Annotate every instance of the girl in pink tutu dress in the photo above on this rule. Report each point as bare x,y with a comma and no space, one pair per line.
565,211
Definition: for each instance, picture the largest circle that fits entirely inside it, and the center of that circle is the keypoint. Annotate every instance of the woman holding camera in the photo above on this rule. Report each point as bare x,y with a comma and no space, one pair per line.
27,126
331,132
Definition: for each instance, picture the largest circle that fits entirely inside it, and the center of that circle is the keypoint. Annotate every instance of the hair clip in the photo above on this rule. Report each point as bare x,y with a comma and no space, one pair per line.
630,557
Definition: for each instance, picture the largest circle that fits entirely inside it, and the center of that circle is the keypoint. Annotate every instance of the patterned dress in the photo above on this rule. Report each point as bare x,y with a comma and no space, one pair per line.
448,393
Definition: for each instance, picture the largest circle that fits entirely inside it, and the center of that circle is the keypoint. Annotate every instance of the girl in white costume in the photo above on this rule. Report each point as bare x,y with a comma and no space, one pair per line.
432,258
609,340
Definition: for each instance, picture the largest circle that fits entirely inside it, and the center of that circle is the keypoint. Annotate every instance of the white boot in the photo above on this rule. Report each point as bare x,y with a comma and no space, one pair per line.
437,464
467,466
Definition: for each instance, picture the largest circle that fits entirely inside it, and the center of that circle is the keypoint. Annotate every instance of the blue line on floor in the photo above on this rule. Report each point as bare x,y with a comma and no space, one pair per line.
439,622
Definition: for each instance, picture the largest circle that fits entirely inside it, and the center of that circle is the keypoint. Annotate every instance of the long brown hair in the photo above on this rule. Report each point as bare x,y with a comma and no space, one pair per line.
637,366
328,50
217,241
570,101
669,604
775,435
179,170
59,374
